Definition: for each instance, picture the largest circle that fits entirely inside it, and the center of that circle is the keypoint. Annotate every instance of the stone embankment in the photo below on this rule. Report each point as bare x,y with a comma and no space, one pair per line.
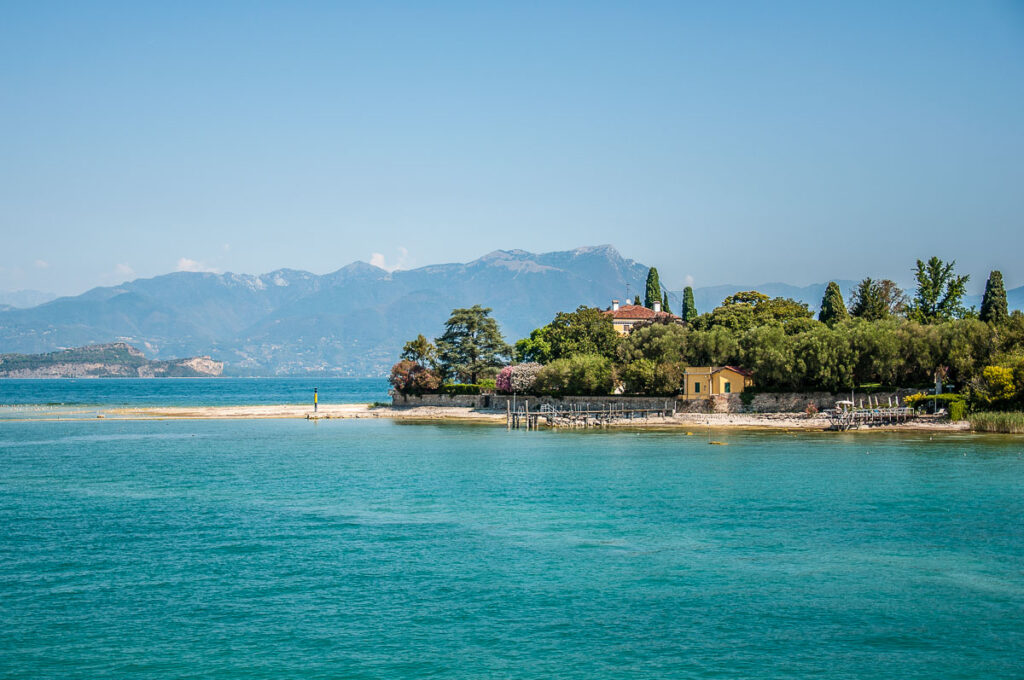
779,402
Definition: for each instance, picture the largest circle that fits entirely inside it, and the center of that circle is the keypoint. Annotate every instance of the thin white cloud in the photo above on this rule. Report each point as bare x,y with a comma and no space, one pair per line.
125,271
186,264
378,260
689,279
41,264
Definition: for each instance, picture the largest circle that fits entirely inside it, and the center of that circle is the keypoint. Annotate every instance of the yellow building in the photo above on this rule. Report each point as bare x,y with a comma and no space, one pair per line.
624,317
701,382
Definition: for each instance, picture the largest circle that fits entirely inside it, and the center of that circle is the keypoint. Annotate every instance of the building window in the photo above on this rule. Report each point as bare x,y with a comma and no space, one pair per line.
696,388
728,387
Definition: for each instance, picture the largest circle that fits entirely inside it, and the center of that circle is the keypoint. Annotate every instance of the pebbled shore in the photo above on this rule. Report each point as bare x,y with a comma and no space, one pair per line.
788,421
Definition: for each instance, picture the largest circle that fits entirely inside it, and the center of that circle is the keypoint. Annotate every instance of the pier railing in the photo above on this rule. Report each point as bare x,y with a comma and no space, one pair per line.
582,415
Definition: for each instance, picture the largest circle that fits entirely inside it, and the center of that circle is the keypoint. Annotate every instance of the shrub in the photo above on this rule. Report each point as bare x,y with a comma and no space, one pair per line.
957,410
460,388
921,400
487,384
503,381
584,374
408,377
812,409
524,376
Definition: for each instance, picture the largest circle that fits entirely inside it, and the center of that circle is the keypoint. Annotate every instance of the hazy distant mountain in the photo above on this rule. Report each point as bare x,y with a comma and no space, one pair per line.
349,322
24,298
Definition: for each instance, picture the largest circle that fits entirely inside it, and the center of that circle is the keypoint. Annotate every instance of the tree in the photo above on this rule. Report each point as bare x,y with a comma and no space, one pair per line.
874,300
833,310
421,351
939,292
636,300
664,302
689,310
588,330
408,377
653,292
993,303
470,344
534,348
580,374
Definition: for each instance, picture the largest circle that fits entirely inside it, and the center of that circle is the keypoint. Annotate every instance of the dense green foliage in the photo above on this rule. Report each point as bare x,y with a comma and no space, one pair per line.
664,303
689,310
833,309
876,300
586,374
653,290
420,351
940,292
588,330
883,342
470,344
993,303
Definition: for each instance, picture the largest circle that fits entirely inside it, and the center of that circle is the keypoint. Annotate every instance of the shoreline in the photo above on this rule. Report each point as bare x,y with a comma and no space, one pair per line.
462,414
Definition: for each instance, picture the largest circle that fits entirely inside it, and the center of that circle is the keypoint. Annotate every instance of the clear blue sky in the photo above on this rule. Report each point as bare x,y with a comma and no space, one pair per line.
805,141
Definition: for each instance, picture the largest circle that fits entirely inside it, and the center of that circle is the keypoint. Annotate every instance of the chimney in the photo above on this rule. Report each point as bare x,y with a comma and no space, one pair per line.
657,306
615,305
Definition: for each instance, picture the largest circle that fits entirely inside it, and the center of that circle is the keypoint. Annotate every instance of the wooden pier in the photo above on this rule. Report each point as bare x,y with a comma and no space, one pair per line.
575,416
848,419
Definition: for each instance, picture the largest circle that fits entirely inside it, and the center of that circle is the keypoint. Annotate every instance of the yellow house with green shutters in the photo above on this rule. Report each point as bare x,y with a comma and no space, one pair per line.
701,382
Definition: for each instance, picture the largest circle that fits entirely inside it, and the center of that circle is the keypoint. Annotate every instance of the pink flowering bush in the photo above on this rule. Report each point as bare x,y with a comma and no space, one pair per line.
503,381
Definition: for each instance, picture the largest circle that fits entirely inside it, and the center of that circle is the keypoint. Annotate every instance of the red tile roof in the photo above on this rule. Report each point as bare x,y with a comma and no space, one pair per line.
638,312
737,369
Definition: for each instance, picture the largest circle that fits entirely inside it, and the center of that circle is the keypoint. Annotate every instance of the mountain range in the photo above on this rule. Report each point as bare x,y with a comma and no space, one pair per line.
353,321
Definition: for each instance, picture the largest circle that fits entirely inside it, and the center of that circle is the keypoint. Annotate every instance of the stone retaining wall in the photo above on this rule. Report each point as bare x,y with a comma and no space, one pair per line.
775,402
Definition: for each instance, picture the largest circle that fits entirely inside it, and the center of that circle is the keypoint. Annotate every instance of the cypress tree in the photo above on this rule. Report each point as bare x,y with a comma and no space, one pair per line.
653,291
689,310
636,300
664,302
993,304
833,309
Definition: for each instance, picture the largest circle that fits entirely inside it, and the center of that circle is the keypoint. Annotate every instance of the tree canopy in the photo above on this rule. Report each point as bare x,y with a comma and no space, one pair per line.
940,292
470,344
420,351
875,300
993,303
689,310
833,309
652,293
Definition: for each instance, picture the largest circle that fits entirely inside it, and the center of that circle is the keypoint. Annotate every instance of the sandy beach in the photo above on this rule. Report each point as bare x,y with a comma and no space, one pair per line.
781,421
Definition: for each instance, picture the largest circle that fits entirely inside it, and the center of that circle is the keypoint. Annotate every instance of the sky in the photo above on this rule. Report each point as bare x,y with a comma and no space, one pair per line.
725,142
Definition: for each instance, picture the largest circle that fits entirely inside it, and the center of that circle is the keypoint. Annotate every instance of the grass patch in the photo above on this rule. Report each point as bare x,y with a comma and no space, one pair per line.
1006,422
380,404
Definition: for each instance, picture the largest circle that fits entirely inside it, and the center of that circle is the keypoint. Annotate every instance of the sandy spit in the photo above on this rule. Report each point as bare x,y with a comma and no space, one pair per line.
786,421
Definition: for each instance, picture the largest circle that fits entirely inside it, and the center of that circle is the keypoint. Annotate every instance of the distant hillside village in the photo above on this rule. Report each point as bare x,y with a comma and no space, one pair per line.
879,337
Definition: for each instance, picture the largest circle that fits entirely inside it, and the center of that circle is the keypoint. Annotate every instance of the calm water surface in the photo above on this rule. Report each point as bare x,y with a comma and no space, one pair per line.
44,398
373,549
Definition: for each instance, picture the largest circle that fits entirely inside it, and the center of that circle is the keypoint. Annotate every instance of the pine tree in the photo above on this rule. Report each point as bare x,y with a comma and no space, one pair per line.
471,343
689,310
664,302
833,309
993,304
875,300
653,291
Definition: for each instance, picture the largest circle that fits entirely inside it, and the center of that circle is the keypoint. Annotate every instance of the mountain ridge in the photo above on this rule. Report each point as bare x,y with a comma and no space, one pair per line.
352,321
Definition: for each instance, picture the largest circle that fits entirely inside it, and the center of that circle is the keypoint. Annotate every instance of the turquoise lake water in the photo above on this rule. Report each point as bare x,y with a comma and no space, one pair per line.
376,549
190,391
